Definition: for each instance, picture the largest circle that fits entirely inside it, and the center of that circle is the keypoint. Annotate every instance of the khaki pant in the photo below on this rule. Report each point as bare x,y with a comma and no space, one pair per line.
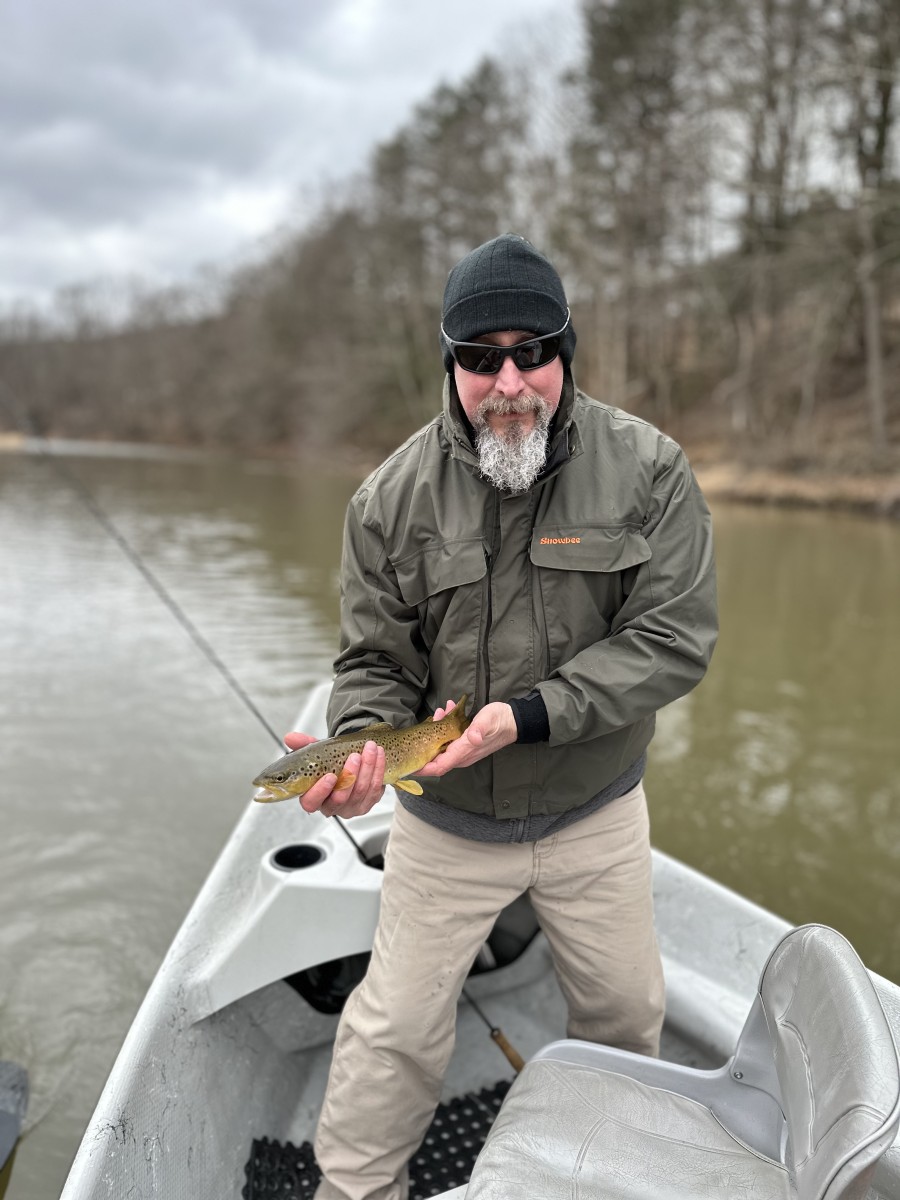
590,886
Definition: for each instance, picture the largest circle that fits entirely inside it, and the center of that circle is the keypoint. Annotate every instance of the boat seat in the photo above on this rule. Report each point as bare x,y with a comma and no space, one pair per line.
804,1109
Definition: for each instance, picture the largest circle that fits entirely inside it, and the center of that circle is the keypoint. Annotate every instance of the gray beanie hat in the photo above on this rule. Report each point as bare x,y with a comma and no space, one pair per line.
504,284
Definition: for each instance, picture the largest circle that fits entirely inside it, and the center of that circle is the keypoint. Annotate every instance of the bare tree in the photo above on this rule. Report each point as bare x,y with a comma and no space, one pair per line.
865,39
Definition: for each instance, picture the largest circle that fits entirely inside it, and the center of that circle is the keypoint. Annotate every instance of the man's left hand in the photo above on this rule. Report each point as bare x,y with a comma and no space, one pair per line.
492,728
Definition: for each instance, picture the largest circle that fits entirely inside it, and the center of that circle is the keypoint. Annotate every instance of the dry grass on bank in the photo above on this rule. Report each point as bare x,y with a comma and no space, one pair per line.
829,463
876,494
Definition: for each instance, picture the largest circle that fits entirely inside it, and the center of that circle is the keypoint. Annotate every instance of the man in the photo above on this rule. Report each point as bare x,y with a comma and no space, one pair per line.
551,557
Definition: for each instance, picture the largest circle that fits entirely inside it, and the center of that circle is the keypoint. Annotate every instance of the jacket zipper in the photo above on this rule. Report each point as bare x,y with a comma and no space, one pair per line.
489,556
485,647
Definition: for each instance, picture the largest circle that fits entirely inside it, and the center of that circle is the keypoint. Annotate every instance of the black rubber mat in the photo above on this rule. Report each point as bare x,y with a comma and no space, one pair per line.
443,1161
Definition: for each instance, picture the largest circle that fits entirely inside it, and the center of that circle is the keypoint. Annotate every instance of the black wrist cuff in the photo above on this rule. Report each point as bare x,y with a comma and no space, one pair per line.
532,719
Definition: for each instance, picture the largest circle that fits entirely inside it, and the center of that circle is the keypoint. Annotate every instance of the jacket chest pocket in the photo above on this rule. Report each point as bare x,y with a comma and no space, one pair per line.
583,579
445,583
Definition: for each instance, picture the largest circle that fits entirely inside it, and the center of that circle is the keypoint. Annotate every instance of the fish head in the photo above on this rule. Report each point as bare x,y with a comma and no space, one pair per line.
280,781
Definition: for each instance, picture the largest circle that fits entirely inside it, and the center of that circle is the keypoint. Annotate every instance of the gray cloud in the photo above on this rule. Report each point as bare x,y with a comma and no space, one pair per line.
146,138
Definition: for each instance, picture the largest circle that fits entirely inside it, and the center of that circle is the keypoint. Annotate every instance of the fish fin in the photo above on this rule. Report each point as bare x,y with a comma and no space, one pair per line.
409,785
356,735
345,779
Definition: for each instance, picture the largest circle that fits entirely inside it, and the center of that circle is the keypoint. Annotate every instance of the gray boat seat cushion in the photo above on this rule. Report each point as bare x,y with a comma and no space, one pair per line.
835,1057
581,1121
568,1131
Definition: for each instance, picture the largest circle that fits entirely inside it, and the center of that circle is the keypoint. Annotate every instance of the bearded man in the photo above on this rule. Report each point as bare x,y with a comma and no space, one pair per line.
550,556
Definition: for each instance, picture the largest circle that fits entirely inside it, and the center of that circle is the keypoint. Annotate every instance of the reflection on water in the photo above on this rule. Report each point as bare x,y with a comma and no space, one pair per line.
125,759
779,775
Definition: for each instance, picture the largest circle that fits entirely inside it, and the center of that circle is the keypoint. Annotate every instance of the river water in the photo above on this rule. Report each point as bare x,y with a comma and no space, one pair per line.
126,759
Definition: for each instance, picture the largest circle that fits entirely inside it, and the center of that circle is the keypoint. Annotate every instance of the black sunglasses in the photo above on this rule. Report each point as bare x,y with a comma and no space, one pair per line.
484,359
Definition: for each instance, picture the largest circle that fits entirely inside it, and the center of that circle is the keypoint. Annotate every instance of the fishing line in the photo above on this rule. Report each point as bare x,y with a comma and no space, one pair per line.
107,524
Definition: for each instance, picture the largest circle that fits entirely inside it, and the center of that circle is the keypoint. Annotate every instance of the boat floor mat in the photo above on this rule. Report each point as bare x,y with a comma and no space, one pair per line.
443,1161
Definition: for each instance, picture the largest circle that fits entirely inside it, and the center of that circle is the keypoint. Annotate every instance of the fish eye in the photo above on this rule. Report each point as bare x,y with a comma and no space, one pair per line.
280,778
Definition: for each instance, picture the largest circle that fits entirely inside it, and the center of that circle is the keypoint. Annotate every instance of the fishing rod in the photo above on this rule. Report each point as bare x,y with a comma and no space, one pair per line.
108,525
513,1057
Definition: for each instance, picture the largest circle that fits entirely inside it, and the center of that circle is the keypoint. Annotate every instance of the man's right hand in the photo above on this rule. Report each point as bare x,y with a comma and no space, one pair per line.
356,798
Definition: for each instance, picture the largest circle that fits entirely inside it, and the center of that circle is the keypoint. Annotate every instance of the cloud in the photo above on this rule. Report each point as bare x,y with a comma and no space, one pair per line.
154,101
152,137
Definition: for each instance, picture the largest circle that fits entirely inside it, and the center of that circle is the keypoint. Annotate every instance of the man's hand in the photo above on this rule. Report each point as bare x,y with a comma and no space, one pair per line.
359,796
492,728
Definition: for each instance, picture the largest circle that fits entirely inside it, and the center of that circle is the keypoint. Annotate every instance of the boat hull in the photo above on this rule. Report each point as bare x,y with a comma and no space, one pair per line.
223,1052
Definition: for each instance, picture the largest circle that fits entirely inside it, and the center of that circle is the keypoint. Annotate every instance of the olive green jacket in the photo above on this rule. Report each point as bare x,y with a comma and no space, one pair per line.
596,587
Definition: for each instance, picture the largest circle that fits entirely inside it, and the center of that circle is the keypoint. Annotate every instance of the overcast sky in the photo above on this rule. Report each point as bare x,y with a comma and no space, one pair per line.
148,137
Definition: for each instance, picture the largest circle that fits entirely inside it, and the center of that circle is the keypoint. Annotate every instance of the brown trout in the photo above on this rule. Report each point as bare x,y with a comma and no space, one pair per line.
405,752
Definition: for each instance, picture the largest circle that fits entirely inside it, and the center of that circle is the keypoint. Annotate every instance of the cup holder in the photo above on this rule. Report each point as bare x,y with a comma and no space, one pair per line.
297,857
372,848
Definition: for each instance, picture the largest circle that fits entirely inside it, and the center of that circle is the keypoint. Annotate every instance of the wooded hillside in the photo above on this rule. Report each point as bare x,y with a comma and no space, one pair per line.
717,181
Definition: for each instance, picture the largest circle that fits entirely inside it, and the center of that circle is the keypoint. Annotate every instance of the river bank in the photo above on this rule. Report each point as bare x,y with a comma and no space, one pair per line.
829,464
721,478
877,495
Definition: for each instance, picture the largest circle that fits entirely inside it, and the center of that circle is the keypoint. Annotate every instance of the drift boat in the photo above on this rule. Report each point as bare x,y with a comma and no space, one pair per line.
13,1103
216,1089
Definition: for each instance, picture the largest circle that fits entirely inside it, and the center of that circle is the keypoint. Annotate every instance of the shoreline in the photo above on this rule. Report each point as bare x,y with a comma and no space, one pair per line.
872,494
875,495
